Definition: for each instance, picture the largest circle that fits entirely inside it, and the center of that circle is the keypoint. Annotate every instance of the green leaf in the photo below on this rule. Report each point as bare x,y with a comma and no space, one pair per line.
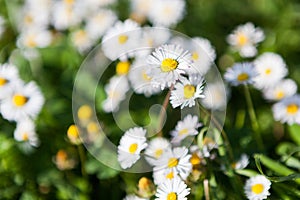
294,131
246,172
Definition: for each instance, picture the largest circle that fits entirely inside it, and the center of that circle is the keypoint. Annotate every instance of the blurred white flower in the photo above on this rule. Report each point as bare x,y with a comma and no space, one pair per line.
82,40
166,13
187,91
116,92
34,38
156,149
174,189
241,74
242,162
98,23
245,38
257,188
133,197
25,132
9,75
184,128
121,39
215,96
130,147
284,88
287,110
22,101
161,176
177,160
140,81
167,64
271,68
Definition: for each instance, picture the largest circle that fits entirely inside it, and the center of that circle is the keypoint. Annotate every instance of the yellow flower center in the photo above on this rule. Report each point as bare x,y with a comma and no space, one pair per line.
292,108
80,37
3,81
195,159
280,94
146,77
170,175
172,196
195,56
123,39
242,39
25,137
30,42
92,127
84,112
20,100
243,77
189,91
257,188
70,2
28,19
72,131
122,67
158,153
183,131
133,147
173,162
268,71
168,65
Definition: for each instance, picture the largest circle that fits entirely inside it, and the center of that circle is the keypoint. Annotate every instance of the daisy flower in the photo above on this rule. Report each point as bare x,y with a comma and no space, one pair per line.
174,189
116,92
133,197
287,110
203,55
176,160
257,188
282,89
186,92
162,176
22,101
186,127
240,74
215,96
25,132
242,162
120,39
8,76
167,64
98,23
130,147
140,81
82,40
245,38
166,13
271,68
156,149
140,9
34,38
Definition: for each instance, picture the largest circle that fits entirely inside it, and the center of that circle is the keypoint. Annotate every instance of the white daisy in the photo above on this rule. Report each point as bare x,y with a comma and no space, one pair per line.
203,55
240,74
22,101
141,8
161,176
131,144
99,22
257,188
242,162
25,132
282,89
287,110
9,75
215,96
176,160
271,68
121,39
174,189
139,79
156,149
82,40
184,128
34,38
116,92
166,13
186,92
245,38
133,197
167,64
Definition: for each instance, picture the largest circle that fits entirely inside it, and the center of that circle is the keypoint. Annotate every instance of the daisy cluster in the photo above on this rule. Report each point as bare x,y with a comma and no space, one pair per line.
21,103
267,73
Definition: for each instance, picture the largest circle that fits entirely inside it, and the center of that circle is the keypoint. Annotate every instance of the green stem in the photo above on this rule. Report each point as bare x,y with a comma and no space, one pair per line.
253,118
81,154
